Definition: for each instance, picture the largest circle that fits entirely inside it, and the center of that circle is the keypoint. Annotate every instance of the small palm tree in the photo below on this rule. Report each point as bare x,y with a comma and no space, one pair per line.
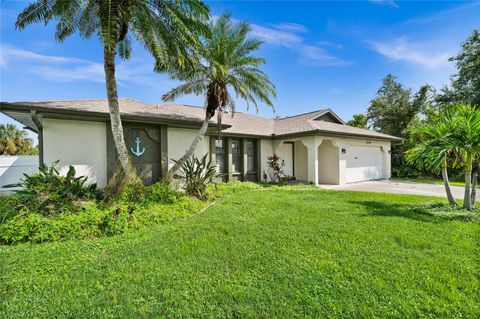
14,141
166,28
434,151
467,139
226,63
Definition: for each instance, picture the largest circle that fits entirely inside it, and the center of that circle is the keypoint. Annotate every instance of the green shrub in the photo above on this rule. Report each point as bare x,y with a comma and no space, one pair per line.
446,211
141,194
163,193
49,193
137,206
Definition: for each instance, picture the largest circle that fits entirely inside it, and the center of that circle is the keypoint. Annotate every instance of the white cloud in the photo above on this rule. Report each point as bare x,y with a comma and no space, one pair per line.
68,69
329,44
291,27
315,55
401,49
10,52
275,37
390,3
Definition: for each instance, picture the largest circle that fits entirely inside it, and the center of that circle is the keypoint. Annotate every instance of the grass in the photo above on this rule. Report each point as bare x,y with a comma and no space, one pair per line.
428,180
273,252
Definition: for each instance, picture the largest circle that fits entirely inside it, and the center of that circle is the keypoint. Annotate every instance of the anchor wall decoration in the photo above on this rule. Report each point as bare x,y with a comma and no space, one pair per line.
137,152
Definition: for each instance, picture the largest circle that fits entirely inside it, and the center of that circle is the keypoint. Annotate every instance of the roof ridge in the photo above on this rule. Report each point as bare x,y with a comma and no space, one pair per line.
43,101
301,114
201,107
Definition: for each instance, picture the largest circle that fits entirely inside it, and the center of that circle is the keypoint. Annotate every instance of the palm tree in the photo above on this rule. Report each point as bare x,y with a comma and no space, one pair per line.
467,138
226,62
166,28
434,151
14,141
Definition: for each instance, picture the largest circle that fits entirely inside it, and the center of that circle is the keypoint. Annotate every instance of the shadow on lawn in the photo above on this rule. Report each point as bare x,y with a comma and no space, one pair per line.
433,213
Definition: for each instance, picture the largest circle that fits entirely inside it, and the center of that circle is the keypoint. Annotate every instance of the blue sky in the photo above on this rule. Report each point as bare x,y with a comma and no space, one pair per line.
320,54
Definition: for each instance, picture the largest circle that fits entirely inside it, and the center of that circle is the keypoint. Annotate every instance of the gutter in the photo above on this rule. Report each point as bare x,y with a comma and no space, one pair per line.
330,133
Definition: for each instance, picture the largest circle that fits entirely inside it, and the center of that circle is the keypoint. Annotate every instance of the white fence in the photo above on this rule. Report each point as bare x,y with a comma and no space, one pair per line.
12,169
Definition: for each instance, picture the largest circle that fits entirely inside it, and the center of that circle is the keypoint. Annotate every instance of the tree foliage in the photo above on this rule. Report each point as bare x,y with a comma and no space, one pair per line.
14,141
167,29
465,84
392,111
226,65
394,107
454,138
359,120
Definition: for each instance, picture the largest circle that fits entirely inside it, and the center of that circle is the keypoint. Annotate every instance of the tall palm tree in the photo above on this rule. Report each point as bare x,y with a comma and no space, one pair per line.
166,28
434,151
467,138
226,62
14,141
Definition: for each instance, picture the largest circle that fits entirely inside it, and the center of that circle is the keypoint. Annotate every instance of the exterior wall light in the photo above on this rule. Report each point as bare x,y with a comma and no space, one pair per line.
389,151
343,150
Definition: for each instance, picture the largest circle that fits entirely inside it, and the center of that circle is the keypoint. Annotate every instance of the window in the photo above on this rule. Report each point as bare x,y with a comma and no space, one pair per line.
236,156
220,156
250,156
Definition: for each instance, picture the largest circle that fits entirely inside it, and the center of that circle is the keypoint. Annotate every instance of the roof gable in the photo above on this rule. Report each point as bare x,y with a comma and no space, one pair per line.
329,116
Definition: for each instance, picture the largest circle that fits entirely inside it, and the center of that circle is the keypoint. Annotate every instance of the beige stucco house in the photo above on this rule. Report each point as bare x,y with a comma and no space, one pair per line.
315,147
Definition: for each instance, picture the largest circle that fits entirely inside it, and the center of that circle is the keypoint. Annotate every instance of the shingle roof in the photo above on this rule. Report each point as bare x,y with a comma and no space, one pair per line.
307,123
128,107
240,123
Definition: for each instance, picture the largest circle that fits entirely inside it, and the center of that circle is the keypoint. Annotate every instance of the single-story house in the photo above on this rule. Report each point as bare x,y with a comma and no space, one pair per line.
315,147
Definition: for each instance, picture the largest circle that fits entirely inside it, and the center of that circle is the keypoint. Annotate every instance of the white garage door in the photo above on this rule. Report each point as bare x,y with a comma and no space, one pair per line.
364,163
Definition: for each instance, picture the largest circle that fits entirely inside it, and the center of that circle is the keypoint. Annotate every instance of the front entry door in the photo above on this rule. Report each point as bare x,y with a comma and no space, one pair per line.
288,159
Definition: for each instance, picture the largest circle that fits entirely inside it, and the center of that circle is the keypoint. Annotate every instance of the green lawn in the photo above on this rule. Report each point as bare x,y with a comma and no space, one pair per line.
275,252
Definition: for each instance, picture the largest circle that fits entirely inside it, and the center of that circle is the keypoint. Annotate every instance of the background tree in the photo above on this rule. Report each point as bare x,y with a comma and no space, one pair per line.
391,112
359,120
167,29
14,141
226,63
465,84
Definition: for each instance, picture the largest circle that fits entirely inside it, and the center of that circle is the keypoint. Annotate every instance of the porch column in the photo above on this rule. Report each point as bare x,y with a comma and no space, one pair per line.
342,160
312,145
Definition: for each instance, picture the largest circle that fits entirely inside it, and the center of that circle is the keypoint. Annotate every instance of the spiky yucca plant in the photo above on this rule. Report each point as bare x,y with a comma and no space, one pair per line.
198,173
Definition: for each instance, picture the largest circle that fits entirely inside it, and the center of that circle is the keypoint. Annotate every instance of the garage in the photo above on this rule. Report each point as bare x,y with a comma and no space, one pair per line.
364,163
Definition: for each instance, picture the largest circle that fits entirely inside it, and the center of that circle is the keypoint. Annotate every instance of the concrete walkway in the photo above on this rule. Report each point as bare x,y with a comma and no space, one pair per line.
397,187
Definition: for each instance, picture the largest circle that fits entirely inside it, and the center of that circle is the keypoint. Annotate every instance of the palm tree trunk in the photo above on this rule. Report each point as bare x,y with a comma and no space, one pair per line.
450,197
115,119
201,133
473,195
467,202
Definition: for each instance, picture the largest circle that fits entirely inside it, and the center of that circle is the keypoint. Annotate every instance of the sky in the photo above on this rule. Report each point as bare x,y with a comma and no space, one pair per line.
319,54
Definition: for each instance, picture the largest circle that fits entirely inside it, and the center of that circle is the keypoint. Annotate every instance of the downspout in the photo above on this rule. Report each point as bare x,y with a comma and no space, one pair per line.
38,123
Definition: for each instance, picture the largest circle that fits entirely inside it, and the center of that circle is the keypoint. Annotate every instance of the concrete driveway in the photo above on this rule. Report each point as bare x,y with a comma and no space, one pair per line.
397,187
